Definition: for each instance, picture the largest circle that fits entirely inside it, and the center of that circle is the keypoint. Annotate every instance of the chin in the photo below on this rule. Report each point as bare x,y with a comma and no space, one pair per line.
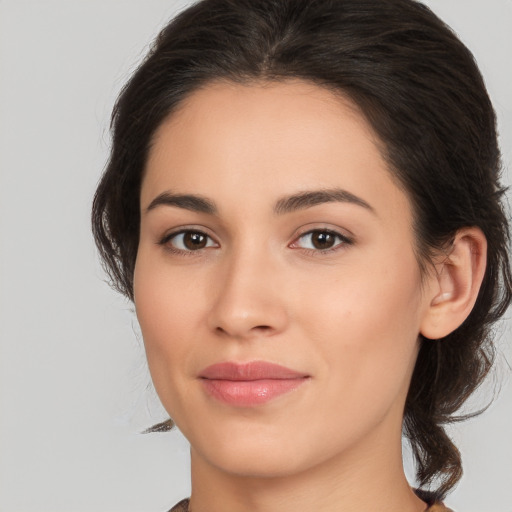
247,449
256,451
254,462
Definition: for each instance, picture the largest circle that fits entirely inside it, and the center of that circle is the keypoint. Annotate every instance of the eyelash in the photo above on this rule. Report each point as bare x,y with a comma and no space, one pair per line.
165,241
343,240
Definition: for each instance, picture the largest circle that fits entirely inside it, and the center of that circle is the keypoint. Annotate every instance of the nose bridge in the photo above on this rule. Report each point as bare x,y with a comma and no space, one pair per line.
247,300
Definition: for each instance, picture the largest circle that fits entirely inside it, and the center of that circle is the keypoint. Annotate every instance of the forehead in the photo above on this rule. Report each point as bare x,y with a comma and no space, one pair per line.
269,139
273,114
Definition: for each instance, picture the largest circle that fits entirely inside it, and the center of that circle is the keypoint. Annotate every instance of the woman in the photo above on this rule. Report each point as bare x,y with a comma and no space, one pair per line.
303,202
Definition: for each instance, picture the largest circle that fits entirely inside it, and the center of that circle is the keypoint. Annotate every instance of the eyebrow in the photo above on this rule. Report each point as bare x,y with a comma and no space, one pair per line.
191,202
304,200
288,204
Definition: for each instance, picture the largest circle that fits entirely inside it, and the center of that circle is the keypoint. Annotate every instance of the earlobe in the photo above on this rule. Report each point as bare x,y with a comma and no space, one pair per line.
455,284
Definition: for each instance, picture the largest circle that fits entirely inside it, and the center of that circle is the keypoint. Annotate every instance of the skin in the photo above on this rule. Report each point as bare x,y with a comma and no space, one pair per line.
348,317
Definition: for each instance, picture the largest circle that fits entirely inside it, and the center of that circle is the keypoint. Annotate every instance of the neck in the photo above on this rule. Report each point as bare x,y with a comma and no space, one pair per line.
368,478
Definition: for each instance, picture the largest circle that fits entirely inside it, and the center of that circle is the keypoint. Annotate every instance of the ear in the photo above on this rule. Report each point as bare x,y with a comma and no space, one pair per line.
455,283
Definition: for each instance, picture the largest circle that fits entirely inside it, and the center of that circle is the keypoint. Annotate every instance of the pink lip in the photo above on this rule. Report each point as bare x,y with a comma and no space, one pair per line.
251,383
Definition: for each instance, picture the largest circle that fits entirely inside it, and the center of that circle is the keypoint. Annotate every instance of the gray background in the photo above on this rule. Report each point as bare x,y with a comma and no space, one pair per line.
74,388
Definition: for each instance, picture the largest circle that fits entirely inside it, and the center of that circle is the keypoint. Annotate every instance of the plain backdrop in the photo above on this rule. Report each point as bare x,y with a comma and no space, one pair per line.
74,388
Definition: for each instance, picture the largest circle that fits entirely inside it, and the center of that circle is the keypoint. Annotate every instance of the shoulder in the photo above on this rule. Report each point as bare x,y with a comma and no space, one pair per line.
438,507
182,506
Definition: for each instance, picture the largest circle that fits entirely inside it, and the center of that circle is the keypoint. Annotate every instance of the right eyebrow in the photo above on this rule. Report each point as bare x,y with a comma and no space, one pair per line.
190,202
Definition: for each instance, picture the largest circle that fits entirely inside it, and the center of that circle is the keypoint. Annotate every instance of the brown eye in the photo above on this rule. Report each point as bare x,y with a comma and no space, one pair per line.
194,241
187,241
321,240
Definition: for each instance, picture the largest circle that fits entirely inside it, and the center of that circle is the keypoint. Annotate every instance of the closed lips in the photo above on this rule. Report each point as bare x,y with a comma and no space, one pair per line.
257,370
249,384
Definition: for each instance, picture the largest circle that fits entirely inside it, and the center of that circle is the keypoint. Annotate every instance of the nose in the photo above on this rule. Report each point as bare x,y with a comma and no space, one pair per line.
248,300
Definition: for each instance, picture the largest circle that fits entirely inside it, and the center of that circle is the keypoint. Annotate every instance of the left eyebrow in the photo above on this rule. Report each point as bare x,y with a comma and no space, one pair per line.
308,199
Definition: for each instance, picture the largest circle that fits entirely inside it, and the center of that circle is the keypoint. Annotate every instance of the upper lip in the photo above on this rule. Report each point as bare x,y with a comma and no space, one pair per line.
254,370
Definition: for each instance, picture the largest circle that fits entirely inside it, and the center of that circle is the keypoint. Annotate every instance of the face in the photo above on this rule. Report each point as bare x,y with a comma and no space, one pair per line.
276,282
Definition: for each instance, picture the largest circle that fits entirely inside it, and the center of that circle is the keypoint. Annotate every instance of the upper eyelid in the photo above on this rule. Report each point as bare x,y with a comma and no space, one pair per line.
343,233
168,235
324,230
167,242
330,231
344,241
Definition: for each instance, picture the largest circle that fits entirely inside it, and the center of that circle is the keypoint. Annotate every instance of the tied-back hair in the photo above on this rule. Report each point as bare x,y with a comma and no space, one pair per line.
420,89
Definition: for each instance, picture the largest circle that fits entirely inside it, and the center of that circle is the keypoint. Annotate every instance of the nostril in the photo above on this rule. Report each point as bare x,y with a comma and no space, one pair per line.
263,329
237,315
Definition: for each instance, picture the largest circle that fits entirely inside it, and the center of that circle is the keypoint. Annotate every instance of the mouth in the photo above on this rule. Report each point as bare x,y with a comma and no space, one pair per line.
250,384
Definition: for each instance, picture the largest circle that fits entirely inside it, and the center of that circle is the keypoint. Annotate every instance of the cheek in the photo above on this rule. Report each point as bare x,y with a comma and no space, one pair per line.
365,326
168,309
166,298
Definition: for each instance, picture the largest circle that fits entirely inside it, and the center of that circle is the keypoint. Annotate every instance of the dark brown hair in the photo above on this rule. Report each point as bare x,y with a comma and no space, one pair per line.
420,89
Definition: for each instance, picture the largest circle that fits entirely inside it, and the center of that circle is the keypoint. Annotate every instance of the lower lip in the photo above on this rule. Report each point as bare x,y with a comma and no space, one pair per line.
252,392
